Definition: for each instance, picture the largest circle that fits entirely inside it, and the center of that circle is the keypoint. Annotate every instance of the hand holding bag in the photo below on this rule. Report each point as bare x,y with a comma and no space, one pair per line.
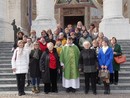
104,73
120,59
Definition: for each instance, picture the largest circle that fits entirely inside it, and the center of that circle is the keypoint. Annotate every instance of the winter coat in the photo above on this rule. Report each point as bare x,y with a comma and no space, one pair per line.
106,59
83,39
44,65
42,47
117,48
20,61
88,60
34,66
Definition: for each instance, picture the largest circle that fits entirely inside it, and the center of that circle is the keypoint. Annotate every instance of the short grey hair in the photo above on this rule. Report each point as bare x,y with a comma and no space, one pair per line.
50,44
86,42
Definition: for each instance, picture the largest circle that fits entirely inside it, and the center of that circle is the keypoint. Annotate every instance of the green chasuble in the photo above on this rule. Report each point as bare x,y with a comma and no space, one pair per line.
70,57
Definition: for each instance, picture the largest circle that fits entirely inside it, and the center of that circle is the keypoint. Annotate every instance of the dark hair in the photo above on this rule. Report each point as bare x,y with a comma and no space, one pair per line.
106,40
21,33
114,39
25,36
69,38
92,25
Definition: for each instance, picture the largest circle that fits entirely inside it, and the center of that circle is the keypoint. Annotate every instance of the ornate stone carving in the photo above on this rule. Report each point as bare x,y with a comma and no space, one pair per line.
73,11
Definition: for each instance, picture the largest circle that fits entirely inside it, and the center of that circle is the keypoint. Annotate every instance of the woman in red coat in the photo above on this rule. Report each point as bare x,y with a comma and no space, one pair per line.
42,44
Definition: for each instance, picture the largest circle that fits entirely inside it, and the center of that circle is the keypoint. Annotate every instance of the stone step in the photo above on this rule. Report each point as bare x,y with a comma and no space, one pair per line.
7,48
11,75
63,92
13,80
5,61
5,51
7,75
121,74
13,87
5,58
5,65
5,70
6,54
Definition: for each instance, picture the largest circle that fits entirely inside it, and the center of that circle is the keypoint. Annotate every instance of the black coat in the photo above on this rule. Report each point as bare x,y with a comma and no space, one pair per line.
44,65
34,66
88,60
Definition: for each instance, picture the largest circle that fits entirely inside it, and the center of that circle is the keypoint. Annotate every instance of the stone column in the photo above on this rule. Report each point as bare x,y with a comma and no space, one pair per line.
45,9
113,23
112,9
128,5
45,16
87,17
6,34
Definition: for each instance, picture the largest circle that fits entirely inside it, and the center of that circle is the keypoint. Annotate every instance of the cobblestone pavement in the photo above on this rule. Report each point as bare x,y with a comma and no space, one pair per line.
61,95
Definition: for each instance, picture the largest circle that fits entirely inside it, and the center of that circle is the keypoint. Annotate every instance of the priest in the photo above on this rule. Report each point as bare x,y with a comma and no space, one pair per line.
69,58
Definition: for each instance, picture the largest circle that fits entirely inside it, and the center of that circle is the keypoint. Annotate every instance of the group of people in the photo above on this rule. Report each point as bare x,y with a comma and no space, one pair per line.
64,54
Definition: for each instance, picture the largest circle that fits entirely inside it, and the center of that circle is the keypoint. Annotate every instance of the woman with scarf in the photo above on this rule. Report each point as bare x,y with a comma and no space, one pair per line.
34,67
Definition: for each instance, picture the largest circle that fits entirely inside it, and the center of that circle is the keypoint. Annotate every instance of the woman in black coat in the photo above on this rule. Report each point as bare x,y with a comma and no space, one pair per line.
49,64
88,61
34,67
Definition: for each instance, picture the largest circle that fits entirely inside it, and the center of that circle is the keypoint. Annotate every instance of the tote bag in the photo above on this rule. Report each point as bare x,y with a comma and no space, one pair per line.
120,59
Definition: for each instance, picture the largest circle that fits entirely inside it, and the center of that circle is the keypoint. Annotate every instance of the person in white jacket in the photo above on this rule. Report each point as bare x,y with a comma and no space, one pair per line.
20,61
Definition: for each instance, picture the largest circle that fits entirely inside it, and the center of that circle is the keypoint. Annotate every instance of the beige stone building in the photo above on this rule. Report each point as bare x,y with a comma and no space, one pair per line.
66,12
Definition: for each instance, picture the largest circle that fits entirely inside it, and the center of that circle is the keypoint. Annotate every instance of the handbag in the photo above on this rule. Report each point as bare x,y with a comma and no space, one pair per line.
104,73
120,59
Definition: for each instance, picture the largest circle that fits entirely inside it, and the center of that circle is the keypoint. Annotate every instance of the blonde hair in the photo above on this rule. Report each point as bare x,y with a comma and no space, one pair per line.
20,41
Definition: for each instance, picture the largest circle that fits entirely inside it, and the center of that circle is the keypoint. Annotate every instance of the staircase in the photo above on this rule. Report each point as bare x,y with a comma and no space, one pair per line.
8,80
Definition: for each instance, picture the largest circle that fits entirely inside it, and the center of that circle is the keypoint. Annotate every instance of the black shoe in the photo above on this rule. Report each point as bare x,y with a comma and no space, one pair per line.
95,93
56,91
73,90
99,83
105,92
23,93
68,90
46,92
20,94
86,91
116,83
28,83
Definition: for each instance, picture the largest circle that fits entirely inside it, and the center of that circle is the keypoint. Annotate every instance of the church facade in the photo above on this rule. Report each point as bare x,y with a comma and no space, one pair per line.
65,12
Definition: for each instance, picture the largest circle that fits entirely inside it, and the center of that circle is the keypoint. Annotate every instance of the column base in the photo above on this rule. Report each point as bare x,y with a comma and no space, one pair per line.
6,32
43,24
119,28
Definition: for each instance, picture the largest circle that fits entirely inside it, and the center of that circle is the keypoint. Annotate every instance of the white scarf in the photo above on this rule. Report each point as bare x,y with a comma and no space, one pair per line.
104,49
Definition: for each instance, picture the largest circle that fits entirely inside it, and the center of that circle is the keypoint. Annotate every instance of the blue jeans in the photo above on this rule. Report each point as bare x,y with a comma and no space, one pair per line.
35,81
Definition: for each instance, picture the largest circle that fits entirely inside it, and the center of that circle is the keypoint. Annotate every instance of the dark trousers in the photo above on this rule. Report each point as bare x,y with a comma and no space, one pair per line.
20,82
97,77
91,76
114,77
111,78
51,87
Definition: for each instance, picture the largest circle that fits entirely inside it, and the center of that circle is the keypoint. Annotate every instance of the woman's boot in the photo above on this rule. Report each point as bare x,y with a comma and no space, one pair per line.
105,87
34,89
108,88
37,89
